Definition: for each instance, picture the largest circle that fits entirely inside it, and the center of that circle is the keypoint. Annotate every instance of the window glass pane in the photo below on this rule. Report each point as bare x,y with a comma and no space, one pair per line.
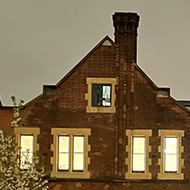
63,163
78,144
63,160
138,162
139,145
171,145
96,95
26,143
25,160
171,154
78,155
106,95
138,153
171,163
78,161
63,144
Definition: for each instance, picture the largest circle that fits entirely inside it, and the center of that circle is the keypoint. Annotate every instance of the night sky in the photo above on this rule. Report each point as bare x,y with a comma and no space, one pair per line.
41,40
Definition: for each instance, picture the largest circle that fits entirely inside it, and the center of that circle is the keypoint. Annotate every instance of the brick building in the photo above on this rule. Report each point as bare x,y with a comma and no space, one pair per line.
106,125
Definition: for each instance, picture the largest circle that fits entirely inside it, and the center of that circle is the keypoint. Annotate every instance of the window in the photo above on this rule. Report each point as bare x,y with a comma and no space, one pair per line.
170,154
26,151
101,95
138,154
26,138
138,149
74,145
70,153
171,149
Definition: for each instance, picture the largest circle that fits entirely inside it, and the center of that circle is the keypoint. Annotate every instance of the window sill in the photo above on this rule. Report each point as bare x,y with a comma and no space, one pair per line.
81,175
138,176
91,109
171,176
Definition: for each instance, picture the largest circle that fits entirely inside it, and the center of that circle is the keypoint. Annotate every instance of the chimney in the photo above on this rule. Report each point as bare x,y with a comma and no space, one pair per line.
126,25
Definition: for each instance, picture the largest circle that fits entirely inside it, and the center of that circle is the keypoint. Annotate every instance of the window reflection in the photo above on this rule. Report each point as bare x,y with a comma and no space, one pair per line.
101,95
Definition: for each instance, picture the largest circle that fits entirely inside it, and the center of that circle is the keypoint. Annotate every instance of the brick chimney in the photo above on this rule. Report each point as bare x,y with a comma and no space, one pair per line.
126,25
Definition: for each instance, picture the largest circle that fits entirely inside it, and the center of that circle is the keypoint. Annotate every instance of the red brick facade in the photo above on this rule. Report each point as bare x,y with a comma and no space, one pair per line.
140,104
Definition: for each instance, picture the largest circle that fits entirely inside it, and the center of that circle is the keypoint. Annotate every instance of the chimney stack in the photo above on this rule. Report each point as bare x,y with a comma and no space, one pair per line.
126,25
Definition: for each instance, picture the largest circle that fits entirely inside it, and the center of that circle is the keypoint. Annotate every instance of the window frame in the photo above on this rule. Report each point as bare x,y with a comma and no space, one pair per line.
130,174
28,131
71,132
163,175
88,96
25,152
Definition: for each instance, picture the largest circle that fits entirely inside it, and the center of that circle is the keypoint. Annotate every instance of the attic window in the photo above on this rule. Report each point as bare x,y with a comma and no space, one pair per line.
101,95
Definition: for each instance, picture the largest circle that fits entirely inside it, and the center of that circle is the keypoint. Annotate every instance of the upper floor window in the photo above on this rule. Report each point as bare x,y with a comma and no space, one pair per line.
138,149
70,153
171,148
101,95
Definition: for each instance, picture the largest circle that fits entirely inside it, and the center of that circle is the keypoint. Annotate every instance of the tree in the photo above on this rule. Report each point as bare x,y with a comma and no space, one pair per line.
11,176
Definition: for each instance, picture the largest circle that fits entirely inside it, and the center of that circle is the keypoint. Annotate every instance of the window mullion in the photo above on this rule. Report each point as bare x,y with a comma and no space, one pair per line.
71,154
101,95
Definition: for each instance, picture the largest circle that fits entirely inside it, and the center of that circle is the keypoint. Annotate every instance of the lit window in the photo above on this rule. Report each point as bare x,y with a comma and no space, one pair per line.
138,154
26,151
26,138
171,148
63,163
138,149
101,95
65,145
70,153
170,154
78,153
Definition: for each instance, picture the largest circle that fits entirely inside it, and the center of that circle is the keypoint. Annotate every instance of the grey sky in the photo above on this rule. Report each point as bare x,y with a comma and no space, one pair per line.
41,40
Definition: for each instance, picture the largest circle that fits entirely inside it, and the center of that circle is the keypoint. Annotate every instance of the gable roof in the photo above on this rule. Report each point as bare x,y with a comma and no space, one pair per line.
53,87
106,38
